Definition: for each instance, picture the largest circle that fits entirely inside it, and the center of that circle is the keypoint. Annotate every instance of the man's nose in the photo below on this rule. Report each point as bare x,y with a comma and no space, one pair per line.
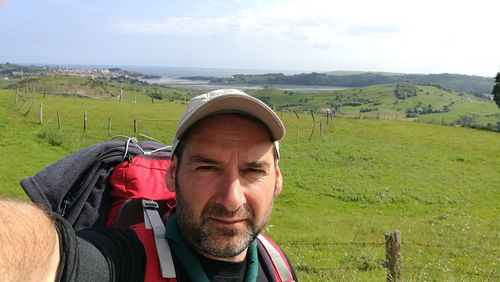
231,194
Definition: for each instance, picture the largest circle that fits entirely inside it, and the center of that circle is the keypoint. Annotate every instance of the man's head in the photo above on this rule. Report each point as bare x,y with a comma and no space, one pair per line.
228,101
225,172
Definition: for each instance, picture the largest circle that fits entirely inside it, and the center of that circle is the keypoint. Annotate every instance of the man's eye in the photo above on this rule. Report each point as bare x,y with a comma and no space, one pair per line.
255,170
206,168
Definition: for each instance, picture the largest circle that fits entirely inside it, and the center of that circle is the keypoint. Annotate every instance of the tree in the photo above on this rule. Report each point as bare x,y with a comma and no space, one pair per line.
467,120
95,84
496,90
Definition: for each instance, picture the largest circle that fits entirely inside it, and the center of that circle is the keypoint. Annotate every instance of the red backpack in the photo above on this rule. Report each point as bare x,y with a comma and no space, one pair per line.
139,201
121,184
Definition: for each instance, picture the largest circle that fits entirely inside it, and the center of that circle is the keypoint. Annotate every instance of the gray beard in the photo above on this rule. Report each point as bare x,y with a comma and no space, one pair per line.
213,242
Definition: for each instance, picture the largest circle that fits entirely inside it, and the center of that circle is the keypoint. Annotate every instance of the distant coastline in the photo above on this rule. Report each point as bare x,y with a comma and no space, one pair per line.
176,72
206,85
173,77
252,79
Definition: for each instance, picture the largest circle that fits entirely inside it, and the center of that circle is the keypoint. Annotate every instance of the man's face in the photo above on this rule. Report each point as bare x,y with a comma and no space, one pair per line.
225,183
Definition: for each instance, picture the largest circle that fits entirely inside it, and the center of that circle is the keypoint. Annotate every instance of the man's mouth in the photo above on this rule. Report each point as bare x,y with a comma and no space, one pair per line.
227,221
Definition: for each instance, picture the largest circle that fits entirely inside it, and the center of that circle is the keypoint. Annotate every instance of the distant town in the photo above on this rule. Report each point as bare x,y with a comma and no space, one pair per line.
8,71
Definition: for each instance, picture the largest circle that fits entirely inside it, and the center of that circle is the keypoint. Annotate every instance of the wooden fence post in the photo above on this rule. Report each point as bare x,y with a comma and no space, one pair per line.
58,121
135,126
298,126
31,107
109,126
332,115
85,120
320,128
17,96
41,112
394,259
314,126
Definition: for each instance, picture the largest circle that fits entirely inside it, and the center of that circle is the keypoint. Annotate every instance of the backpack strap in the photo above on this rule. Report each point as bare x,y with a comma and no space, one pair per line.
278,259
152,220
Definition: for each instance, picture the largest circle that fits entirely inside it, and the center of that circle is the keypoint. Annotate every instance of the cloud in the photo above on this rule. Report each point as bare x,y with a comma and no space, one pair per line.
178,26
394,33
370,30
311,22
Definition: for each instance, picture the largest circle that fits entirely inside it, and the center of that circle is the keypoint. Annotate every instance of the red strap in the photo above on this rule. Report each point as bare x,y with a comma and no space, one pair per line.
281,266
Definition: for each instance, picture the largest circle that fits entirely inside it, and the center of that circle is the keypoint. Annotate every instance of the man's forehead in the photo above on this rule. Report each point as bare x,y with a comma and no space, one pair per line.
238,124
221,146
198,145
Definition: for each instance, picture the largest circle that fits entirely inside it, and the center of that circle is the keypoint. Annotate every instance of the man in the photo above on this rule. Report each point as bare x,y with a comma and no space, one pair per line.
225,173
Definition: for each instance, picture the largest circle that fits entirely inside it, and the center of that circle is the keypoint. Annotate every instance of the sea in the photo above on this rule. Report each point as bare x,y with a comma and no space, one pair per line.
173,76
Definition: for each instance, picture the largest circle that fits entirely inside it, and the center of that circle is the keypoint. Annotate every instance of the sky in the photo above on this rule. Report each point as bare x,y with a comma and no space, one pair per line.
424,36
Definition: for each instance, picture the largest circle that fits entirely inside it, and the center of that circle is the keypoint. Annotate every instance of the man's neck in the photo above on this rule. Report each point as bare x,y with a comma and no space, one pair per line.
218,270
238,258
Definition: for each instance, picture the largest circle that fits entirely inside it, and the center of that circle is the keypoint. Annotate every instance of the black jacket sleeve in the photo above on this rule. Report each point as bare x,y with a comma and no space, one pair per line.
99,254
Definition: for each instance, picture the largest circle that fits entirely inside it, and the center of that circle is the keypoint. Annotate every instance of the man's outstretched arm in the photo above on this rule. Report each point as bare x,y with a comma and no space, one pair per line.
29,243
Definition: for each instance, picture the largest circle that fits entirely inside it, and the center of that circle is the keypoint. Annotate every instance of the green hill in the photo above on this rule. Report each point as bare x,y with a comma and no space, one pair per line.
405,101
479,86
72,85
361,72
343,189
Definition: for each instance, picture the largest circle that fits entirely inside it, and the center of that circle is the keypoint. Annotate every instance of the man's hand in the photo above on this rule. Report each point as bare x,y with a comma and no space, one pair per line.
29,243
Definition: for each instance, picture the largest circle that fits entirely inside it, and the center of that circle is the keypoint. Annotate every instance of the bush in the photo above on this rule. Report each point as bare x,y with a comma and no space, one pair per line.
405,90
266,100
54,138
363,262
366,110
156,95
467,120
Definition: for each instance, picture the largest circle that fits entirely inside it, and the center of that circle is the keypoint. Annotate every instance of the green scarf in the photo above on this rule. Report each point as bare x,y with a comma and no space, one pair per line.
192,266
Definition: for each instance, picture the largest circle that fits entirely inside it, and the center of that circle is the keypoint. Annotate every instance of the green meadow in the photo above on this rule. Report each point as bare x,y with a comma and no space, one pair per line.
344,188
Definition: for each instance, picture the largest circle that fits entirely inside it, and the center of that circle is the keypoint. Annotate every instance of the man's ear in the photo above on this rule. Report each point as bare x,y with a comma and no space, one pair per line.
278,186
170,175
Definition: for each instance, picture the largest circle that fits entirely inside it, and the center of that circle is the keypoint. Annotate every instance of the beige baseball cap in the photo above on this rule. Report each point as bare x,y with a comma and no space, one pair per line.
225,101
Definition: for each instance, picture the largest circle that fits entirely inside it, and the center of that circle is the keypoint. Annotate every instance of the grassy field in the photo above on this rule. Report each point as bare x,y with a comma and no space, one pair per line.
438,185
